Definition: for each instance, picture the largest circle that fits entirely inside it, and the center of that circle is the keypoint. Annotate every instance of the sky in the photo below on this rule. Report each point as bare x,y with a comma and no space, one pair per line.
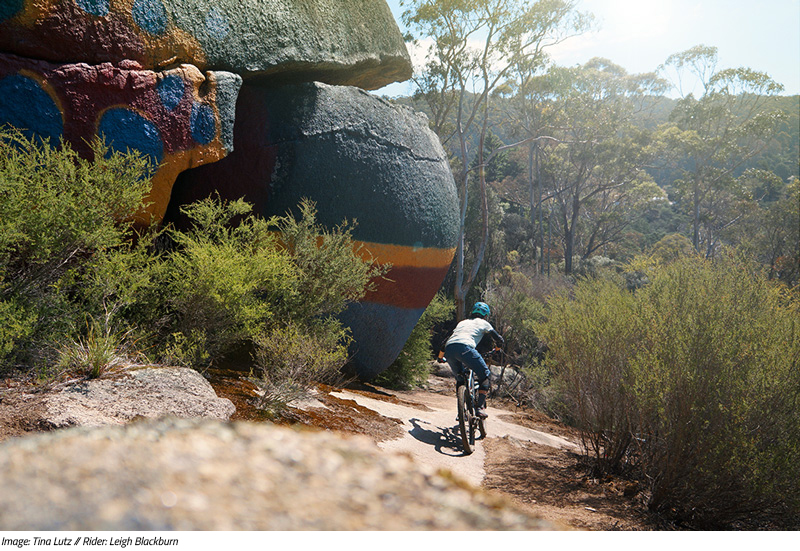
640,35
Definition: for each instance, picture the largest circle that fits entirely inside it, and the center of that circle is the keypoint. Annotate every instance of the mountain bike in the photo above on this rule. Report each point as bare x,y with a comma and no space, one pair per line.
468,420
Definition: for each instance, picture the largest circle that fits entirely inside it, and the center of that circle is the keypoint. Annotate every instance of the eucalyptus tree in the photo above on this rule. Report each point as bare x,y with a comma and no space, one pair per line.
716,134
531,100
474,46
595,170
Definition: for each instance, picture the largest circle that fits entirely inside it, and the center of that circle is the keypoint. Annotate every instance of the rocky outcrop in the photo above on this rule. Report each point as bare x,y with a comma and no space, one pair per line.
140,393
180,118
354,42
189,475
358,157
132,72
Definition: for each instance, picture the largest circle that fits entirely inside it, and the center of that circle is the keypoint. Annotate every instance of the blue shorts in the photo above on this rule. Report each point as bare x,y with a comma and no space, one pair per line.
461,356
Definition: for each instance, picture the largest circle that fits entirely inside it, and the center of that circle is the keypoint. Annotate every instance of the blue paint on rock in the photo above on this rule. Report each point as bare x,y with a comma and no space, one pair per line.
379,333
10,8
26,106
171,90
94,7
204,127
124,129
150,15
217,24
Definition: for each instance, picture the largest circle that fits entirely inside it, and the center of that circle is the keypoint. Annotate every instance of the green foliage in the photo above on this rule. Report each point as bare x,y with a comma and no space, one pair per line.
693,381
412,366
589,335
56,211
332,271
82,290
517,301
222,280
99,352
290,358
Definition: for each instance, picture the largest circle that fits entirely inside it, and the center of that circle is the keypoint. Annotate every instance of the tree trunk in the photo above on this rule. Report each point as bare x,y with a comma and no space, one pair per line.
696,216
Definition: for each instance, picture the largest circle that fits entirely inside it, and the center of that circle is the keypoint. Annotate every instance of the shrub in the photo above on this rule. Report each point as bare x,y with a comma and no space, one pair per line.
290,358
694,380
69,253
56,211
332,270
412,366
222,280
717,393
234,277
517,307
590,334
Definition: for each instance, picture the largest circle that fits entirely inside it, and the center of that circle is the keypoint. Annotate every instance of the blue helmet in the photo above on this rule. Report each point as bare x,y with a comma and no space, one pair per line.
481,308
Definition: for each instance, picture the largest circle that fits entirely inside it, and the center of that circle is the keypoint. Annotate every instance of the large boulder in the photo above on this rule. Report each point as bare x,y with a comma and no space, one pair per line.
358,157
139,393
354,42
132,71
207,475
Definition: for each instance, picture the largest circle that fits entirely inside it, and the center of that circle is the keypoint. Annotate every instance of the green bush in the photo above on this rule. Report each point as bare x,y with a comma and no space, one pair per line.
694,381
590,334
717,393
56,211
82,289
412,366
332,271
517,304
290,358
222,281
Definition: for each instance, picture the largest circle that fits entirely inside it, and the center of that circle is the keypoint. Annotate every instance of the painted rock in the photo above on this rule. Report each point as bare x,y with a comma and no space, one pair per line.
132,71
358,157
353,42
180,118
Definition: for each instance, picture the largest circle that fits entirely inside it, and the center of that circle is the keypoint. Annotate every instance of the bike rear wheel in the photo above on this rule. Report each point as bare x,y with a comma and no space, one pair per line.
464,419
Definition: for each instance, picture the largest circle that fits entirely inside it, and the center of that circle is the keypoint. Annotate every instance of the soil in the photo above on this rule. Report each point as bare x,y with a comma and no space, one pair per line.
550,483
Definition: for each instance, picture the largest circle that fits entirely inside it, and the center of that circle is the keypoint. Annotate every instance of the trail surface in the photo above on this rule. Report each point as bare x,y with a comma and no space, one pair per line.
431,433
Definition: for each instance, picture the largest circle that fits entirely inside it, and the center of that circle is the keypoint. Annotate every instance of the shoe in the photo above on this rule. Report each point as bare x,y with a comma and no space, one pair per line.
481,412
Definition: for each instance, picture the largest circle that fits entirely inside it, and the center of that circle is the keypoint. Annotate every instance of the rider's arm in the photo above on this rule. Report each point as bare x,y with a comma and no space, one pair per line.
497,338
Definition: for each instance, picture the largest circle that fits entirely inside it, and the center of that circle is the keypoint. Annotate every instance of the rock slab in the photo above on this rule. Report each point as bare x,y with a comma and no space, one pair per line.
208,475
355,42
148,393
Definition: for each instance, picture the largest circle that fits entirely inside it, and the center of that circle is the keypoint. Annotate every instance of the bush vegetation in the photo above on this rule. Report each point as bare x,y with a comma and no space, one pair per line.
691,382
82,289
412,366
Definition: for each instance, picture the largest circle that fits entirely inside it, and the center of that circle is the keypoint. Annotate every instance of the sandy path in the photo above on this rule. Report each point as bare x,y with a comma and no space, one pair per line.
431,431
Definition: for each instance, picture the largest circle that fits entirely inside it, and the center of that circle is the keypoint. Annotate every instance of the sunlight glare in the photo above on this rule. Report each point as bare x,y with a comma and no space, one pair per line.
627,18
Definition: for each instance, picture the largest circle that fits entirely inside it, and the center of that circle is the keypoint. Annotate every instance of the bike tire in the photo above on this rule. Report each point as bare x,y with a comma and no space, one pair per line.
464,422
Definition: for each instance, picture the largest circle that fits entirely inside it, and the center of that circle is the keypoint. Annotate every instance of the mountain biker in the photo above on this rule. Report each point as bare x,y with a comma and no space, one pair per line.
460,350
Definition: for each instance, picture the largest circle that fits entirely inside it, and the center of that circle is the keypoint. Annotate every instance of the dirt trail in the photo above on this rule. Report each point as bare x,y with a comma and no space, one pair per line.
431,433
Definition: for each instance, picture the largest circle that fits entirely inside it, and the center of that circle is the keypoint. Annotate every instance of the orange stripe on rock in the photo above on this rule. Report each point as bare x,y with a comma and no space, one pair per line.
403,255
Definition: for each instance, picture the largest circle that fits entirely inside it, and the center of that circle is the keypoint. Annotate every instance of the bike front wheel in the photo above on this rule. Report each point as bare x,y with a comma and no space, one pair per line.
464,419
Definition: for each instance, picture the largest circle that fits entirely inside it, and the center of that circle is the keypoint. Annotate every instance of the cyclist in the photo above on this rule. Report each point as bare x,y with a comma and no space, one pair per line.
461,353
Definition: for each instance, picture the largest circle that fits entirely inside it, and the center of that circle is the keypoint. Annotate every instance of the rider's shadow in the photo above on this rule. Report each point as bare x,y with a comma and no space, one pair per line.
446,441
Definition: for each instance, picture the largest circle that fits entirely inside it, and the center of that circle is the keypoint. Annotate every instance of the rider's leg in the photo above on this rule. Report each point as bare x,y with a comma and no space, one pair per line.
480,406
452,354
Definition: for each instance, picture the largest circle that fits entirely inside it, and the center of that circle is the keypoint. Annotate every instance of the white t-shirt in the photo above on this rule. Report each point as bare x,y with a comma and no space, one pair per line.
470,332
